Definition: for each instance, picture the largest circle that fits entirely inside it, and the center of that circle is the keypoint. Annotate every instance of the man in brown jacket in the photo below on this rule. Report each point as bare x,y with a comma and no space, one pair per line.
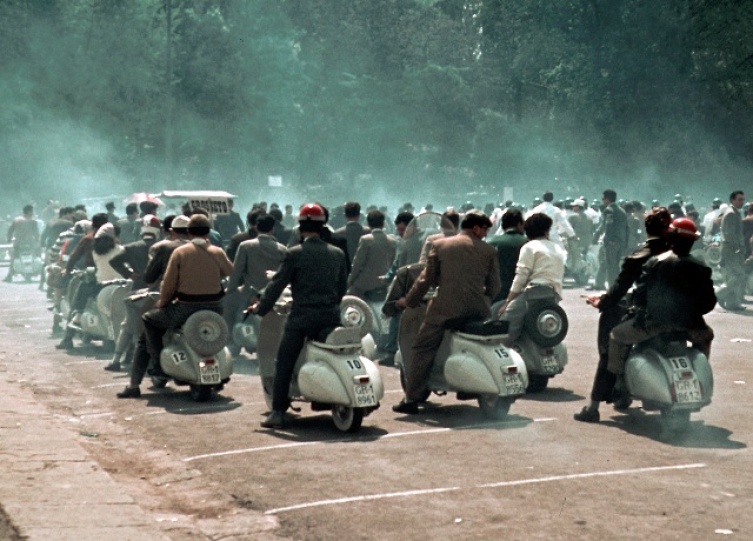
192,282
467,273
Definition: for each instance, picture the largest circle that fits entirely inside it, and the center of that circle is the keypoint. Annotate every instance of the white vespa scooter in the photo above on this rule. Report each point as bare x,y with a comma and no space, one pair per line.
541,343
330,375
471,361
103,313
667,375
195,355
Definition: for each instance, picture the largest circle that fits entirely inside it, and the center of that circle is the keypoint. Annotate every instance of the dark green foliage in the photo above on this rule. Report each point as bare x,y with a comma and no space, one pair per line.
344,92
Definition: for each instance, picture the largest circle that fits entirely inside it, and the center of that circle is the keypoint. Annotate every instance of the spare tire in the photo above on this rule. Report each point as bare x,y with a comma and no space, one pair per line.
713,255
206,332
354,312
546,323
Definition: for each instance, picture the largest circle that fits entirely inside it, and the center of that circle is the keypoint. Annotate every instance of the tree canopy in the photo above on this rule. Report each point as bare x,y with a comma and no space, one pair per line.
434,97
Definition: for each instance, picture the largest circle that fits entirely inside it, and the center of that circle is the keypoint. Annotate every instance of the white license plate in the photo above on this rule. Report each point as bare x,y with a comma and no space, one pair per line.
687,391
514,384
365,395
549,364
209,374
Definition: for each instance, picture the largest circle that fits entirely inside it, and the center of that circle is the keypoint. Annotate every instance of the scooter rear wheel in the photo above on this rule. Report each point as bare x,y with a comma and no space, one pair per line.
347,419
494,406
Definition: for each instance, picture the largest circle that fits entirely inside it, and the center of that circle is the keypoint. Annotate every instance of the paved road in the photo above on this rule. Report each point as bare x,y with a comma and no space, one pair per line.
195,471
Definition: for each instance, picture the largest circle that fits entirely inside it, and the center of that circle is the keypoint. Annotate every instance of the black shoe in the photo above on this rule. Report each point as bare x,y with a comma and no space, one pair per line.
387,360
406,406
113,367
66,343
129,392
587,415
276,419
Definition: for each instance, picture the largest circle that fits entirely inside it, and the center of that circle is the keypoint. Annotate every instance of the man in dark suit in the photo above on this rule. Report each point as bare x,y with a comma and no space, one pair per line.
467,272
613,309
317,274
508,246
374,256
614,227
352,231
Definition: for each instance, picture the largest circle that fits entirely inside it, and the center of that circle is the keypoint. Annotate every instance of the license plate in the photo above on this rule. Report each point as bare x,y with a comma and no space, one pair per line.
687,391
514,383
549,364
209,374
365,395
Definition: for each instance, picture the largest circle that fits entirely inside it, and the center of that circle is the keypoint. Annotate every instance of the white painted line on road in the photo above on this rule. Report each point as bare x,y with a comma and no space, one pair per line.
420,432
86,361
368,497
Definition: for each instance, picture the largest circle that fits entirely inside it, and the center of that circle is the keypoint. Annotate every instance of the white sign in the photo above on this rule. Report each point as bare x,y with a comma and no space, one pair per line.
275,181
507,193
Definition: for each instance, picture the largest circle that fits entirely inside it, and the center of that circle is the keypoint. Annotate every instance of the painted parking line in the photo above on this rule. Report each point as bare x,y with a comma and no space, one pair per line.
549,479
419,432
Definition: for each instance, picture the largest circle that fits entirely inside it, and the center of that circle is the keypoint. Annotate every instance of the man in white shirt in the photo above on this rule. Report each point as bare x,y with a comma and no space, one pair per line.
560,226
541,262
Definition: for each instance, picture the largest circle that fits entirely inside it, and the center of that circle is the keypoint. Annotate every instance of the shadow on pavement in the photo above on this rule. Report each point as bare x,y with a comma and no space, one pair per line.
178,400
698,435
554,394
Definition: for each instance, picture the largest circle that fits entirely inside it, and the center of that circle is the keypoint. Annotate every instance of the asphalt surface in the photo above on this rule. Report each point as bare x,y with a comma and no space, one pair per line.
77,463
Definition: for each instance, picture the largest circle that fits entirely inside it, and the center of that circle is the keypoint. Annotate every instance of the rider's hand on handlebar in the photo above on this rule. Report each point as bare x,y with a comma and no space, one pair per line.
594,300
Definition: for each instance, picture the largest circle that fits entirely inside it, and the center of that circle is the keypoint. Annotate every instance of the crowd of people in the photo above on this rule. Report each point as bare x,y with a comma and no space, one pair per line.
482,261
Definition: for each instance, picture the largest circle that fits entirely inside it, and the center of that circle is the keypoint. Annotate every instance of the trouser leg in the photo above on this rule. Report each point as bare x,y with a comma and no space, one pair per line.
287,355
621,339
701,339
424,350
390,345
140,362
515,314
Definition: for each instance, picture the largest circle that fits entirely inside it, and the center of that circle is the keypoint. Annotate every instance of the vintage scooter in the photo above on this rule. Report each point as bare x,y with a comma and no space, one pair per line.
103,313
541,342
667,375
28,263
472,362
196,355
331,374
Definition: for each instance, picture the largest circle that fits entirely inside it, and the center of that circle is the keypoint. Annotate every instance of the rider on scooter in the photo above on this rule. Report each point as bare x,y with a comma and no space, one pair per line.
23,232
317,274
541,262
674,292
613,310
192,282
467,272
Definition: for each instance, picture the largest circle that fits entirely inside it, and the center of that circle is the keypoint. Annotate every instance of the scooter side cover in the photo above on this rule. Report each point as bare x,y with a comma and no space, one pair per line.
479,366
318,381
181,362
649,375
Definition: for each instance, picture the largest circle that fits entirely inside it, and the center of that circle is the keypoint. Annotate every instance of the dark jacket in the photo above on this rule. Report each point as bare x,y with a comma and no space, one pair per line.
318,278
135,257
508,247
674,290
631,269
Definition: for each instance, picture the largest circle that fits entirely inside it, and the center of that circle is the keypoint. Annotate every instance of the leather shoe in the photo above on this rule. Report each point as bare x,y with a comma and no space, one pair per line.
406,406
587,415
66,343
113,367
276,419
130,392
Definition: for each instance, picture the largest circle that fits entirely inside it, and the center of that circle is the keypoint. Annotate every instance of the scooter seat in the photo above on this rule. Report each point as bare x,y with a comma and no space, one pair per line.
341,336
485,328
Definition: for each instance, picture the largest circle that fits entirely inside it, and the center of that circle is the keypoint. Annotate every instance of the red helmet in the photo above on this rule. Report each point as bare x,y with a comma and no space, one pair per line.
311,212
685,228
